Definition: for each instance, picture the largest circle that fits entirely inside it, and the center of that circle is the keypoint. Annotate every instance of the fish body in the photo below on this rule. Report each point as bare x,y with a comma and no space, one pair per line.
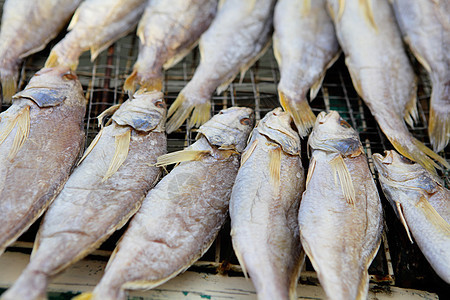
168,31
264,208
340,216
41,136
422,204
27,27
91,207
381,72
425,25
305,45
237,37
95,26
180,218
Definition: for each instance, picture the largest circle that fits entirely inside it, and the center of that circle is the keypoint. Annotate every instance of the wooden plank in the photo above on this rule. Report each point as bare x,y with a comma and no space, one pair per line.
84,275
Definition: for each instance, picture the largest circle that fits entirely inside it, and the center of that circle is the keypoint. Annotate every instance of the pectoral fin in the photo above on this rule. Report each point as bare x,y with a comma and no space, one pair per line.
246,155
22,120
180,156
275,166
122,145
403,220
341,172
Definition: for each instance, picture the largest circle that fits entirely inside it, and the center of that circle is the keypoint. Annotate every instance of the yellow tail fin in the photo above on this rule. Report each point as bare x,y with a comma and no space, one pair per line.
54,60
84,296
300,111
439,122
418,152
180,110
9,84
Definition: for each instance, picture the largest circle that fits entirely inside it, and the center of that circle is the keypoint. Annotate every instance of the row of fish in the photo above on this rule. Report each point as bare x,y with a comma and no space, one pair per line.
233,34
263,189
52,104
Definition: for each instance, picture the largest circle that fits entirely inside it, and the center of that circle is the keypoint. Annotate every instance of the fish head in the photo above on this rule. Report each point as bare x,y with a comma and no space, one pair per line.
278,126
230,128
333,134
51,86
398,172
145,111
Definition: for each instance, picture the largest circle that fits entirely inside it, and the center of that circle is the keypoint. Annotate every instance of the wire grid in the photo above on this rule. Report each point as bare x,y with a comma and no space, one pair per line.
103,80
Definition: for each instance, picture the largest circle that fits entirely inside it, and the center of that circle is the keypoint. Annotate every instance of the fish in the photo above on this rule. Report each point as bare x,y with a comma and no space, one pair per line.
264,208
305,46
168,31
381,73
181,216
95,26
425,25
237,37
27,27
340,216
41,137
97,199
423,205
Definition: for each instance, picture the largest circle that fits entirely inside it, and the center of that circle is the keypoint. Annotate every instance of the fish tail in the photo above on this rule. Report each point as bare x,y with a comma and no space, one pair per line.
363,286
180,110
200,115
300,111
31,284
8,78
149,84
54,60
439,122
84,296
131,82
418,152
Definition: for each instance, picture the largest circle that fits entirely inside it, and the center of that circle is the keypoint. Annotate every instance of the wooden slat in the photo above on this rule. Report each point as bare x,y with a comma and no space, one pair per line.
84,275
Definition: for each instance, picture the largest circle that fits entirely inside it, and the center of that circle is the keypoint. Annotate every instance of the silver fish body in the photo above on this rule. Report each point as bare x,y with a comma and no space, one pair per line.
425,25
235,40
422,204
41,136
91,207
381,72
340,216
305,46
264,208
27,27
95,26
180,218
168,31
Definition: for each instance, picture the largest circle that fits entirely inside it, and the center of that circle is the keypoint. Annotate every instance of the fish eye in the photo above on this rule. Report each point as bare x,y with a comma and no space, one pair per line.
245,121
344,123
69,76
160,104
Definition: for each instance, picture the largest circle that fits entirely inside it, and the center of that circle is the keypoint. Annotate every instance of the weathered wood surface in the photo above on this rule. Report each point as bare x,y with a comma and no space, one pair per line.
83,276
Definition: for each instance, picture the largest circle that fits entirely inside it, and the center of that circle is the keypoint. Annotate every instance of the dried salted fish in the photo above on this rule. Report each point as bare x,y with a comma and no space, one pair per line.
422,204
41,136
264,208
95,26
305,46
425,25
381,72
103,192
27,27
340,215
168,31
237,37
180,218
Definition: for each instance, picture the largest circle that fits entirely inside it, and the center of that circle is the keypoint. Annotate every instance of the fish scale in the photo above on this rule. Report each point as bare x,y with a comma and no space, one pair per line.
31,179
90,208
340,216
179,218
264,208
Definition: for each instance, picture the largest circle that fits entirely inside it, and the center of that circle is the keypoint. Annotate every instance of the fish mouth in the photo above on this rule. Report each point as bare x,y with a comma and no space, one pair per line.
324,117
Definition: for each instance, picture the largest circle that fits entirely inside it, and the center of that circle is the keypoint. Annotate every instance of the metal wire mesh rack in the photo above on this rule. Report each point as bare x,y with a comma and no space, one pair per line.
102,80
